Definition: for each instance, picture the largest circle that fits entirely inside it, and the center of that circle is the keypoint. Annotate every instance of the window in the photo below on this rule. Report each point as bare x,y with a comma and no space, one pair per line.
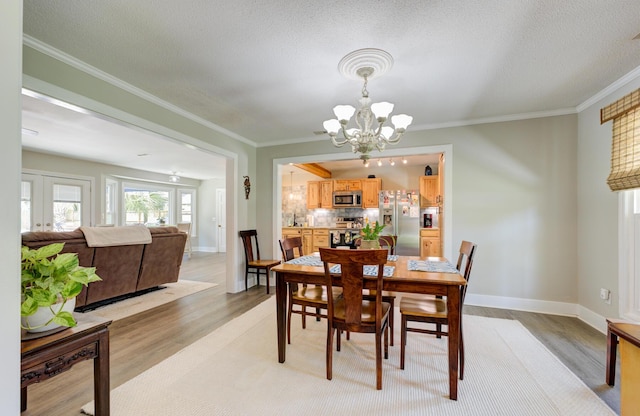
67,207
146,205
111,201
26,216
186,213
629,285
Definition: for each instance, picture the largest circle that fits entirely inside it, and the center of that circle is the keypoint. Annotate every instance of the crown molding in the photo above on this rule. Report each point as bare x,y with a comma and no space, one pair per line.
95,72
631,76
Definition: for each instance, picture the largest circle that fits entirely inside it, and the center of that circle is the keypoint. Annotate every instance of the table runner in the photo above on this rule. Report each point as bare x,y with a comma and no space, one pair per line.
432,266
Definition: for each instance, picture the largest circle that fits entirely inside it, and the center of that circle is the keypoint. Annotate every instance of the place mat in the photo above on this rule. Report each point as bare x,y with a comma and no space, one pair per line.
309,260
432,266
368,270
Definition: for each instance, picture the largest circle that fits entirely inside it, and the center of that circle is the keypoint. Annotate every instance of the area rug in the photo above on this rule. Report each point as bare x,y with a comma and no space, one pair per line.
235,371
132,306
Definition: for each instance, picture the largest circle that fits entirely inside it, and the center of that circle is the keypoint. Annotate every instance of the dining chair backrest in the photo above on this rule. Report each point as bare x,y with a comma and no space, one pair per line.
389,241
249,241
352,263
288,247
185,227
465,258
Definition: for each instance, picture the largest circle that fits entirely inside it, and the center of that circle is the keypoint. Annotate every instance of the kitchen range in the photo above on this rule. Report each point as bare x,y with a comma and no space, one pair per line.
346,232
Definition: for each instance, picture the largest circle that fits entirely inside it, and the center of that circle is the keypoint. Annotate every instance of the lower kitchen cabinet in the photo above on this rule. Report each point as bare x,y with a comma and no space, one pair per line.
320,239
430,242
307,241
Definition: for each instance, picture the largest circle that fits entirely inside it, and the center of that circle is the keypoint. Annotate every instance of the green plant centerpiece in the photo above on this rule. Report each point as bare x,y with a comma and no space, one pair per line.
370,236
50,282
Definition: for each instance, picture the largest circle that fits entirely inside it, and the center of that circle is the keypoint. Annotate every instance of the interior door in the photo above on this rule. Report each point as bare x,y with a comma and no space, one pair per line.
51,203
221,215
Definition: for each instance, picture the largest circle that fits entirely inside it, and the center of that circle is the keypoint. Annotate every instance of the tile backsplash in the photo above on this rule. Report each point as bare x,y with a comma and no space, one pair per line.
294,210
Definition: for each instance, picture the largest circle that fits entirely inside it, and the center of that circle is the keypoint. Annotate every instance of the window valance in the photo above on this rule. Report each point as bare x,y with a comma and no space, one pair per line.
625,149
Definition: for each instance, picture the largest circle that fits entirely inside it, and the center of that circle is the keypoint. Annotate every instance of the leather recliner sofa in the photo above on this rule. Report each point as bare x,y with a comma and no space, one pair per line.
124,269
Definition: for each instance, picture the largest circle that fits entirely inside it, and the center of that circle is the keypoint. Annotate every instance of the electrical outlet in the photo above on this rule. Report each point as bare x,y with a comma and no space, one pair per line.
605,295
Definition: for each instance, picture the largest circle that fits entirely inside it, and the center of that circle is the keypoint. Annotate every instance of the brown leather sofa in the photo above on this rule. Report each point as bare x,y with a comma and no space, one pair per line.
124,269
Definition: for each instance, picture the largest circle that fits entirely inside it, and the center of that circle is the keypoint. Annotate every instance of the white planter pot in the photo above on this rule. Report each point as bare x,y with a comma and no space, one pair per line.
43,315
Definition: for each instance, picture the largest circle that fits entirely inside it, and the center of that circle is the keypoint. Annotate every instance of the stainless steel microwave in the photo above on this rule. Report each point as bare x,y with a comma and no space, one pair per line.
347,199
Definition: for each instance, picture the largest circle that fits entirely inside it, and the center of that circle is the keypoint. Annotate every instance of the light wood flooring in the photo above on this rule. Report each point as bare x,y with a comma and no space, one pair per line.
141,341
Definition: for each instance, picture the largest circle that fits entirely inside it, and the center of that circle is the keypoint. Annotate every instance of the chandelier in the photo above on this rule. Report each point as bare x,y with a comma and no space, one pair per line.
371,132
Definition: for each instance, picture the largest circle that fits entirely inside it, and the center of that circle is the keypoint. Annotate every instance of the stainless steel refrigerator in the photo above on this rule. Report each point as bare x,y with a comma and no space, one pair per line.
399,210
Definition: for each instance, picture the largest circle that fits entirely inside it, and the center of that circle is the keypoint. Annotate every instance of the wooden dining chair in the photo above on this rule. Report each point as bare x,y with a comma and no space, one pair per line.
253,262
433,310
388,242
351,312
301,294
185,227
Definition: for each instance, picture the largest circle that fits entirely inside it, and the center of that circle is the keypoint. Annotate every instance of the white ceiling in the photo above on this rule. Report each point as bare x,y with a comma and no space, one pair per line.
267,71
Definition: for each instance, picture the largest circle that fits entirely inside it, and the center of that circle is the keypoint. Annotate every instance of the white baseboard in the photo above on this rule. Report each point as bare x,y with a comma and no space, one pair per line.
540,306
589,317
205,249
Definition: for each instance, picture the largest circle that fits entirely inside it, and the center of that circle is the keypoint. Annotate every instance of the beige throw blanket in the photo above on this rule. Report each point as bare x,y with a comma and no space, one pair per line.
116,236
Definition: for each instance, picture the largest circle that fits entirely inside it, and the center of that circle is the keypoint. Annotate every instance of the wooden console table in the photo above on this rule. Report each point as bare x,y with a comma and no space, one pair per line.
47,356
628,336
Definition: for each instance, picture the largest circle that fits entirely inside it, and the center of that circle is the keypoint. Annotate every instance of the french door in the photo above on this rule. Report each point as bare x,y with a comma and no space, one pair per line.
54,203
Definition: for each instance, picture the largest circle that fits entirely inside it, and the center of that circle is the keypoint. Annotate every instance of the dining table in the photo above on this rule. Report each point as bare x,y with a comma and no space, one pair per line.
408,274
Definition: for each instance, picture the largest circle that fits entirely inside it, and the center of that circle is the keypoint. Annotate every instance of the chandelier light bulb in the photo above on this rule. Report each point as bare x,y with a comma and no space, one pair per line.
386,132
401,121
404,161
332,126
344,112
391,162
379,162
382,110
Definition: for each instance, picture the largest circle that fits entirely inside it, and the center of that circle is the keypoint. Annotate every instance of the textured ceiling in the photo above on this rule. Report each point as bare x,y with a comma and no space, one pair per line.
267,70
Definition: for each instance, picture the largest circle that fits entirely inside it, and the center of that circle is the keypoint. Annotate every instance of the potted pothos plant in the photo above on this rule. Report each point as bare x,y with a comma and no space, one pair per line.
370,236
50,282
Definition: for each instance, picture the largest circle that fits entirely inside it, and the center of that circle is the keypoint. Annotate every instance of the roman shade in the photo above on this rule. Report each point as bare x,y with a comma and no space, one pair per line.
625,149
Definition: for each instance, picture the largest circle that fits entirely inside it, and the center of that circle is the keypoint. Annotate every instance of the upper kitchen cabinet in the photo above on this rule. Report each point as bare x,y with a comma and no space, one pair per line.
429,191
326,194
313,195
347,185
319,194
370,189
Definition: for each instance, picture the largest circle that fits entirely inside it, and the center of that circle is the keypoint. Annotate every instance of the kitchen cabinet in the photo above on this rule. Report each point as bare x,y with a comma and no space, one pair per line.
326,194
313,194
429,191
370,189
307,241
430,242
320,239
288,232
347,185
